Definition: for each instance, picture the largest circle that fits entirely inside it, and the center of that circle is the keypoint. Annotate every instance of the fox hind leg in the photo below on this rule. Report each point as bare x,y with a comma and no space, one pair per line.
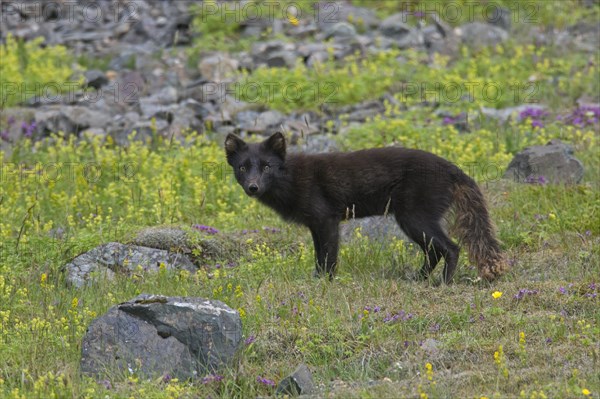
434,242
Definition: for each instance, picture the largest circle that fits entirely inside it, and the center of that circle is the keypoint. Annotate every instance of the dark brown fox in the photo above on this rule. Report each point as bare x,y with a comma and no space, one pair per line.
417,187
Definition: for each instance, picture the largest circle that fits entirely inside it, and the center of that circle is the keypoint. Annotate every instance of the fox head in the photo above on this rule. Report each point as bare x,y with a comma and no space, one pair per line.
256,166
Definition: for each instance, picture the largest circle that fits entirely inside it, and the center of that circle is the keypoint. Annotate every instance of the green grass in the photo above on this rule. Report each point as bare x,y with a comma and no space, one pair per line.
29,70
558,13
507,75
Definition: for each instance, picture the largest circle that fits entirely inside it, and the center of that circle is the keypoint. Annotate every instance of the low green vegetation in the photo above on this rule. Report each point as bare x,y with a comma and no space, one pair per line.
507,75
539,13
373,323
28,70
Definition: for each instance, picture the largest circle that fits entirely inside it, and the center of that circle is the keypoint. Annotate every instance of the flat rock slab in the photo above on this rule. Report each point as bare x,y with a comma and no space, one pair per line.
113,257
155,335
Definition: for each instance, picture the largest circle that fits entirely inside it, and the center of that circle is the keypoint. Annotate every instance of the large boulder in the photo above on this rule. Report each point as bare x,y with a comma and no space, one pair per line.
154,335
550,163
113,257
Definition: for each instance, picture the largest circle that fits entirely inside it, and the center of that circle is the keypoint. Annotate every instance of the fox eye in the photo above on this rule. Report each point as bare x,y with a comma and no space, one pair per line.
266,168
242,168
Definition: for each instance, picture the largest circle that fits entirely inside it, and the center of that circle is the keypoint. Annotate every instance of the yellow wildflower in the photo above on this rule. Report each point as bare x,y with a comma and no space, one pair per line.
497,294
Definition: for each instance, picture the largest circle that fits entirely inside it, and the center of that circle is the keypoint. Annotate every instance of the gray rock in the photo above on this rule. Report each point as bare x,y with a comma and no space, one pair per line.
360,17
315,144
439,37
395,26
585,37
432,348
157,102
68,119
95,78
342,30
300,382
281,59
274,53
155,336
504,114
378,228
320,57
268,119
162,237
480,34
145,130
552,163
113,257
500,17
218,67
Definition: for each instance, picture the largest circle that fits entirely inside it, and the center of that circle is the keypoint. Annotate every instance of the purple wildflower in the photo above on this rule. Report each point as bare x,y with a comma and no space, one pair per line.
525,292
402,316
582,116
271,229
28,128
167,378
535,114
265,381
533,179
250,340
206,229
562,290
548,341
537,123
212,378
434,327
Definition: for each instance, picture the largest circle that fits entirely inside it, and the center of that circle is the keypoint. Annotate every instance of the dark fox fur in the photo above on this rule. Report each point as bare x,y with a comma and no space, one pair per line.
417,187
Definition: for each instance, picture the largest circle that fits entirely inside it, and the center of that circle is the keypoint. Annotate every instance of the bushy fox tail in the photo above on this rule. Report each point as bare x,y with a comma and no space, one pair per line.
476,230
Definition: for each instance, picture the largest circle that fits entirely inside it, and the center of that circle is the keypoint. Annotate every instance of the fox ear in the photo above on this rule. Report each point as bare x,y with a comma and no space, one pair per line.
276,143
234,144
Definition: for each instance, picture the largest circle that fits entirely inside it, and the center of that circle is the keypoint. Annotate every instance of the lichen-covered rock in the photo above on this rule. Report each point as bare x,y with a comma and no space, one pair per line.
113,257
154,335
550,163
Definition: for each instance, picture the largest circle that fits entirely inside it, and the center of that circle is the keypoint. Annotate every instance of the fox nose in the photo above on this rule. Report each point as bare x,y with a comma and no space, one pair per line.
253,187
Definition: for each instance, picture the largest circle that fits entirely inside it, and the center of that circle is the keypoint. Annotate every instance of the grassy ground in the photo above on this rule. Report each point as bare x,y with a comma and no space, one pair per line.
370,333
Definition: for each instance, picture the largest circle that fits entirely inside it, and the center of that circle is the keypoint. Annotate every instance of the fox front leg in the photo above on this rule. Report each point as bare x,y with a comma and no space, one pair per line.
326,240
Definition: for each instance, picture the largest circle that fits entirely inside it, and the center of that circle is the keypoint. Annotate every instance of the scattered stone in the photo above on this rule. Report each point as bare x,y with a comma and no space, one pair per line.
218,67
395,25
481,34
552,163
504,114
108,259
155,335
300,382
340,30
94,78
432,348
378,228
500,17
168,238
274,53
